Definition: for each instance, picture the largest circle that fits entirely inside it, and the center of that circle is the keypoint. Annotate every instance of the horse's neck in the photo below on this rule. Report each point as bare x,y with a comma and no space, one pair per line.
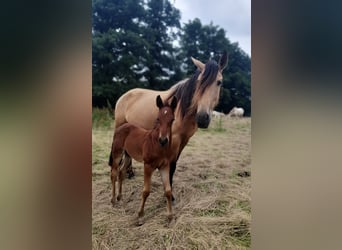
186,126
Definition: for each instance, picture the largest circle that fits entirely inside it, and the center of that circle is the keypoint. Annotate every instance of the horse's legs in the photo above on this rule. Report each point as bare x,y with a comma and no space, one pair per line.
120,180
115,156
124,164
113,177
165,172
172,171
148,170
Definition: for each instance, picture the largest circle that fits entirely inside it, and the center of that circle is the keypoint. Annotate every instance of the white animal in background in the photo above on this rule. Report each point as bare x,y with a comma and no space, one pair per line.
236,112
216,114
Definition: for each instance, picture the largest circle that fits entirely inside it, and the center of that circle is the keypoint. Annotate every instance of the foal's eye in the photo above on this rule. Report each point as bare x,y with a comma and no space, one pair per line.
219,83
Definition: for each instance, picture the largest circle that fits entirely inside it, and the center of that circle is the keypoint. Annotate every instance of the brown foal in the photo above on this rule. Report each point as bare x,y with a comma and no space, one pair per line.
149,146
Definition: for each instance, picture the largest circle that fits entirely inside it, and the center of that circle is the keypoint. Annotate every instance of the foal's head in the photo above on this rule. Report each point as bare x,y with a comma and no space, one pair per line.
165,119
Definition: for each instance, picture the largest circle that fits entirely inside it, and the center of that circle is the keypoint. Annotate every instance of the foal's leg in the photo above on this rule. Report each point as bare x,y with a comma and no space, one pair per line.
120,180
116,156
172,171
165,172
122,172
148,170
113,177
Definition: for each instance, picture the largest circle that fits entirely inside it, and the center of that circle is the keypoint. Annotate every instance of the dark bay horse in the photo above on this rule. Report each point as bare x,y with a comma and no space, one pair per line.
197,97
153,147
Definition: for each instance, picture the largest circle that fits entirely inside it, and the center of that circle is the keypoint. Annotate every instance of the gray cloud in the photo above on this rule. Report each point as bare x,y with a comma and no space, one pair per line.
233,16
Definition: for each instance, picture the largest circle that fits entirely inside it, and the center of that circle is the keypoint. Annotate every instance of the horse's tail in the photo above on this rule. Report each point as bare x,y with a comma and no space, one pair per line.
110,161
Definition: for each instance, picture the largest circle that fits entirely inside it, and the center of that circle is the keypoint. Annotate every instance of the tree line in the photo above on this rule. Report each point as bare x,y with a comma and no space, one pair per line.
141,43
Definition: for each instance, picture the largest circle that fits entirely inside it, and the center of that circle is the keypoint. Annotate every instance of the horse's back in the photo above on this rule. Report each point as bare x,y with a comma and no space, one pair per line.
137,106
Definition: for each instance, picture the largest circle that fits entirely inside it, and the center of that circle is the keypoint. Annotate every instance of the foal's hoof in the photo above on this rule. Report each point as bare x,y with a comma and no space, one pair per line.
169,218
112,201
173,200
119,197
140,221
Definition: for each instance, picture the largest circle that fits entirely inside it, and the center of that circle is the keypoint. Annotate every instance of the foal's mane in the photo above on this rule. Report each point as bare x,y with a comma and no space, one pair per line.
185,90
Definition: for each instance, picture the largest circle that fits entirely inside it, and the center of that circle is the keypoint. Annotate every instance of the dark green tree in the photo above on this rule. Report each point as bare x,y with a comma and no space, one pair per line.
132,47
163,24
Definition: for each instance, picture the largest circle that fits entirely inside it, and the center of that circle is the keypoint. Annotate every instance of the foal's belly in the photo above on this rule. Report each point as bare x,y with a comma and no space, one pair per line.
134,150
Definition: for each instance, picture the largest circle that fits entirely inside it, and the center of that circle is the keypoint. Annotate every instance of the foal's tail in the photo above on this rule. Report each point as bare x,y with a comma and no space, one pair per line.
110,161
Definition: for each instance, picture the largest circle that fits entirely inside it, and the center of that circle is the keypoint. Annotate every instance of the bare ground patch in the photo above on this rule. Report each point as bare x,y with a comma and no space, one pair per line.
212,187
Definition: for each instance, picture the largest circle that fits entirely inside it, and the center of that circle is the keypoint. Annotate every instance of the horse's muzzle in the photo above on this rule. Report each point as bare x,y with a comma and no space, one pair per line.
163,141
203,119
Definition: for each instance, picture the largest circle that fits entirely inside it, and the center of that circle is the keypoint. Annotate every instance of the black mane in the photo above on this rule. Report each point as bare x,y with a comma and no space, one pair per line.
185,91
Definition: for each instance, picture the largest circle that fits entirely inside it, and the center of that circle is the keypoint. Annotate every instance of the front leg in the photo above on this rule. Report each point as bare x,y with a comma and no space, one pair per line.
165,175
172,171
148,170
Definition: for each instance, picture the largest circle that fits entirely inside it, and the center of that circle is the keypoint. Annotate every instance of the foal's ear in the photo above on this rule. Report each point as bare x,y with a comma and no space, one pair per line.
223,60
174,103
159,102
198,63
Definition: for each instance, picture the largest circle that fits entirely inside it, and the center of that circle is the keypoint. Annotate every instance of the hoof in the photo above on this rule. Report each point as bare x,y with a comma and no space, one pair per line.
112,201
140,221
173,201
169,217
119,197
130,175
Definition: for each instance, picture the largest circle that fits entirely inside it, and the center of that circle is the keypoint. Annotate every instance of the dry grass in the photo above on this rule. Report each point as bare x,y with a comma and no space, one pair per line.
212,187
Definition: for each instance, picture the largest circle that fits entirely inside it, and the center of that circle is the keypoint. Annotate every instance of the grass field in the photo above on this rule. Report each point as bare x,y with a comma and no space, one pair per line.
212,187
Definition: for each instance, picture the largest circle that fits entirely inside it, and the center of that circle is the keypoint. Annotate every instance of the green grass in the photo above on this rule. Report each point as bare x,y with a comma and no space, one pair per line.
102,118
218,126
212,211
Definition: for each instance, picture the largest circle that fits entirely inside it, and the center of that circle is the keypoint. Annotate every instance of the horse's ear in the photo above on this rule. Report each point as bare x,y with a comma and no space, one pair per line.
223,60
174,103
198,63
159,102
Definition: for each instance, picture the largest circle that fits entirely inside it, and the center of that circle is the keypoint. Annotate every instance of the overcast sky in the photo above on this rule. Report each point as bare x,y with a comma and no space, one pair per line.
234,16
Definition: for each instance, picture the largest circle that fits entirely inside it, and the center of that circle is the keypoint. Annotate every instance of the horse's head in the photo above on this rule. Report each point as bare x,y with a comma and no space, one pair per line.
208,88
166,116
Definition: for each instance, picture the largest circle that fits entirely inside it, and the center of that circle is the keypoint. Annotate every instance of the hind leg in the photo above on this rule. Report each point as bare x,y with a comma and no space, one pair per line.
113,177
125,163
114,174
121,178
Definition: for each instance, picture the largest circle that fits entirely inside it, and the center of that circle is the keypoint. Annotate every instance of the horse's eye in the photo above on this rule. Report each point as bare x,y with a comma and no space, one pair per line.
219,83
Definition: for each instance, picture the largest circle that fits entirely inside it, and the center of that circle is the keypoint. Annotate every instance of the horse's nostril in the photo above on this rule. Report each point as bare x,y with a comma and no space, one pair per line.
163,141
203,120
206,117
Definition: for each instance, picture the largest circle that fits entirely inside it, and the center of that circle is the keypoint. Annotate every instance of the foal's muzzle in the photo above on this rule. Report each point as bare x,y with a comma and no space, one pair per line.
163,141
203,119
